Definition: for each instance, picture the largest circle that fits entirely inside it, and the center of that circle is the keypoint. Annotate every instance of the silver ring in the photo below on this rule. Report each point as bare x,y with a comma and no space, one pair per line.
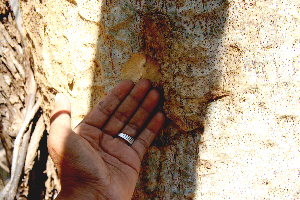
126,137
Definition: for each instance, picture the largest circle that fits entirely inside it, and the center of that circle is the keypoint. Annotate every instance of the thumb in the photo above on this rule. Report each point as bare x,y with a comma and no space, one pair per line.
60,117
60,127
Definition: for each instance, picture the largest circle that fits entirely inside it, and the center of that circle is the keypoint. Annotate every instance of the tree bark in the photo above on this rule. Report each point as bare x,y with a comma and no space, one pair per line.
229,72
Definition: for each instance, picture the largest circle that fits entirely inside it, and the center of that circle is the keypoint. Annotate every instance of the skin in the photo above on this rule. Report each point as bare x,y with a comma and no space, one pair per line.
91,162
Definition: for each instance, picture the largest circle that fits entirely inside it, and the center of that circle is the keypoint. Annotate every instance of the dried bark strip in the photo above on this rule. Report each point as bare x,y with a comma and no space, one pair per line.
34,145
19,166
17,154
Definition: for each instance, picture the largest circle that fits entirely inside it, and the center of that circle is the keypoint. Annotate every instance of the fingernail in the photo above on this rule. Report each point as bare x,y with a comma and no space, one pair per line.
57,97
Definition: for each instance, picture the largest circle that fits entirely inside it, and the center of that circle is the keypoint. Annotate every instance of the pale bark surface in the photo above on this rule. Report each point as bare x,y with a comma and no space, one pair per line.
230,75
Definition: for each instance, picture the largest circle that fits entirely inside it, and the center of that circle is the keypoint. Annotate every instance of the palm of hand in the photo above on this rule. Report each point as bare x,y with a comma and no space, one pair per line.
90,157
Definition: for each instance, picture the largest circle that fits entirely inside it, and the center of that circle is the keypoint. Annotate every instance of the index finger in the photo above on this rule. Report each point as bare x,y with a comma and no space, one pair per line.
102,111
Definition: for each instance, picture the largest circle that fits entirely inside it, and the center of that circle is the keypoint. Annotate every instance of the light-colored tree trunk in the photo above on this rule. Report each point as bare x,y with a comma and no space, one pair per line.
229,71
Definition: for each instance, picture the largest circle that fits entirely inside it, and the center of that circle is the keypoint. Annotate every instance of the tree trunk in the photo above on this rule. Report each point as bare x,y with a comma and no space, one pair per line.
229,72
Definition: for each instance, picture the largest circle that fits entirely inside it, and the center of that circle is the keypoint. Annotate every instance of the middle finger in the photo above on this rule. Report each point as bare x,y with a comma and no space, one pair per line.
127,108
141,115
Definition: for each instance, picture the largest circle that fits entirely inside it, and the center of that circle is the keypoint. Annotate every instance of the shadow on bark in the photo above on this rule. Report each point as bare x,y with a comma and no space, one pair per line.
183,38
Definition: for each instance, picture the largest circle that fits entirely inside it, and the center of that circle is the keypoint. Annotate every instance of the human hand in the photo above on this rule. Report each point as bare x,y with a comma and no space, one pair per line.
91,162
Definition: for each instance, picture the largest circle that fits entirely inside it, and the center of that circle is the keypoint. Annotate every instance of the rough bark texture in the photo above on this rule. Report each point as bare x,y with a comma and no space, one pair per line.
18,93
12,81
229,70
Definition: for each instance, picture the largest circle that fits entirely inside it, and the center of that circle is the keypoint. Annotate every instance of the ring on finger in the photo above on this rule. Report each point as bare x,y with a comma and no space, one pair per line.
126,137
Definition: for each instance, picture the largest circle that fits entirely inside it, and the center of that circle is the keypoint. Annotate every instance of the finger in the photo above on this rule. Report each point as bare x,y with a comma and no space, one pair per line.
103,110
141,115
60,117
143,141
65,147
60,125
127,107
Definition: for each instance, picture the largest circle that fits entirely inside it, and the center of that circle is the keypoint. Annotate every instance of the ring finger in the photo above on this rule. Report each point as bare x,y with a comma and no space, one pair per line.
141,115
124,112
